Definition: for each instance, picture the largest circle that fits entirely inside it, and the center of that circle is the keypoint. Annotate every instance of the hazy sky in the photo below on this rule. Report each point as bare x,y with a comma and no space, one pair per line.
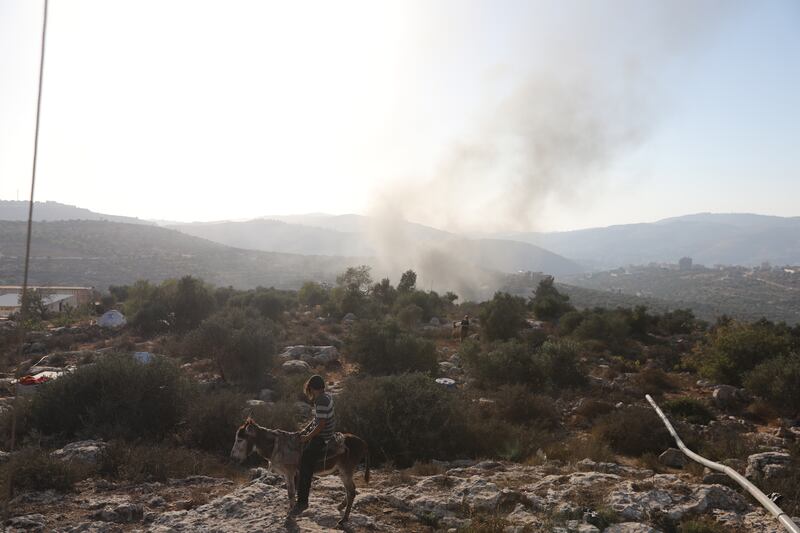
464,114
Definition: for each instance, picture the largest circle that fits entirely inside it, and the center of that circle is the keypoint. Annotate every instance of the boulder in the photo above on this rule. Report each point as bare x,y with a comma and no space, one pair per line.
768,465
121,514
326,354
85,451
28,523
349,317
673,458
256,403
292,352
434,321
631,527
315,355
726,396
296,367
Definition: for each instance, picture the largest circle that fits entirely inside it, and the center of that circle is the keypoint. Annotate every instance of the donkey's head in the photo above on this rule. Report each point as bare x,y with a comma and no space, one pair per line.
247,440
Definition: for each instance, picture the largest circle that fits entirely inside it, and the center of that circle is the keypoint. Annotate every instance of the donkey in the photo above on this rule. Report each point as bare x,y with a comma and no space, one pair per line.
283,449
460,330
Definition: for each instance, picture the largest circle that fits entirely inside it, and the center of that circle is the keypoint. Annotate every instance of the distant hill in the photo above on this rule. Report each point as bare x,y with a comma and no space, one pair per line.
709,239
100,253
277,236
48,211
737,291
355,235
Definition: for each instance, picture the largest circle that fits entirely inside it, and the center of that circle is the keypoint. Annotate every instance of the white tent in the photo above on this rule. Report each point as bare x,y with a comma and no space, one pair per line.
112,319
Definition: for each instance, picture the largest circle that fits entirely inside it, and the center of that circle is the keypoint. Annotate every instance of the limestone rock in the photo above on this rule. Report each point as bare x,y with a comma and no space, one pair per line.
85,451
673,458
296,367
725,396
768,465
631,527
31,522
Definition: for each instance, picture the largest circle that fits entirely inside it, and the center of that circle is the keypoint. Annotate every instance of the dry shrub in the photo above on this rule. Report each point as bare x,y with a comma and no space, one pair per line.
212,418
702,525
654,381
486,524
158,462
690,409
761,411
426,469
32,469
633,431
519,405
578,448
591,408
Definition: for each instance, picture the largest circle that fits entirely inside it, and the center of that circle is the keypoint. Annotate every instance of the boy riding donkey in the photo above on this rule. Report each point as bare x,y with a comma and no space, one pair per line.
316,435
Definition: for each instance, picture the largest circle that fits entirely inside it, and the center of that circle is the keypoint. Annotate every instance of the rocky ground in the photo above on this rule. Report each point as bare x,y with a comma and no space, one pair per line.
584,497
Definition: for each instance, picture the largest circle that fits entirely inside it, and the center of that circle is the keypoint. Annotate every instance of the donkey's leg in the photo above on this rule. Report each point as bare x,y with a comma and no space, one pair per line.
290,486
346,476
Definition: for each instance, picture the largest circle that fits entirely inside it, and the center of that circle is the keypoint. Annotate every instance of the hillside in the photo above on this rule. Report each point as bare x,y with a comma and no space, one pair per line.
48,211
353,235
739,292
277,236
710,239
99,253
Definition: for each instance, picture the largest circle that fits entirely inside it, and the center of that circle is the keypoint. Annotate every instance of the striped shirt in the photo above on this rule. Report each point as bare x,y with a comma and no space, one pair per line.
323,410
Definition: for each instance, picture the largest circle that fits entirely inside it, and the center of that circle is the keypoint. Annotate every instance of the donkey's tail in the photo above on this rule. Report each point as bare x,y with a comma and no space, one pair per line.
366,464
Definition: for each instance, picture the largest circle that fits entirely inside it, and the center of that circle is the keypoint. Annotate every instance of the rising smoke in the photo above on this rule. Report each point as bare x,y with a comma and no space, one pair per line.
550,138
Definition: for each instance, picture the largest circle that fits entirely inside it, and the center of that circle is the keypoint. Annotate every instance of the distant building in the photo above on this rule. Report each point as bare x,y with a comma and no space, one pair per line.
685,263
56,299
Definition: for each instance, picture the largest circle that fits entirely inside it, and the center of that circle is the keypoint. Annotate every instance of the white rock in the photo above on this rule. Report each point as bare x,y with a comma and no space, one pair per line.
86,451
631,527
296,367
768,465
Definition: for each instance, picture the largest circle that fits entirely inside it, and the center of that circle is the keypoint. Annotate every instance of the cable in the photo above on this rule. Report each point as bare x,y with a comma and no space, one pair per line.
24,296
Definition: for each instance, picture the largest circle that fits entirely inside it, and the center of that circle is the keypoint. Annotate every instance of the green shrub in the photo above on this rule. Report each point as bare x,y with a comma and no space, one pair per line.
404,418
732,350
191,301
114,397
633,431
679,321
547,302
313,294
553,366
556,365
690,409
609,327
270,303
778,382
240,341
381,347
503,316
505,362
